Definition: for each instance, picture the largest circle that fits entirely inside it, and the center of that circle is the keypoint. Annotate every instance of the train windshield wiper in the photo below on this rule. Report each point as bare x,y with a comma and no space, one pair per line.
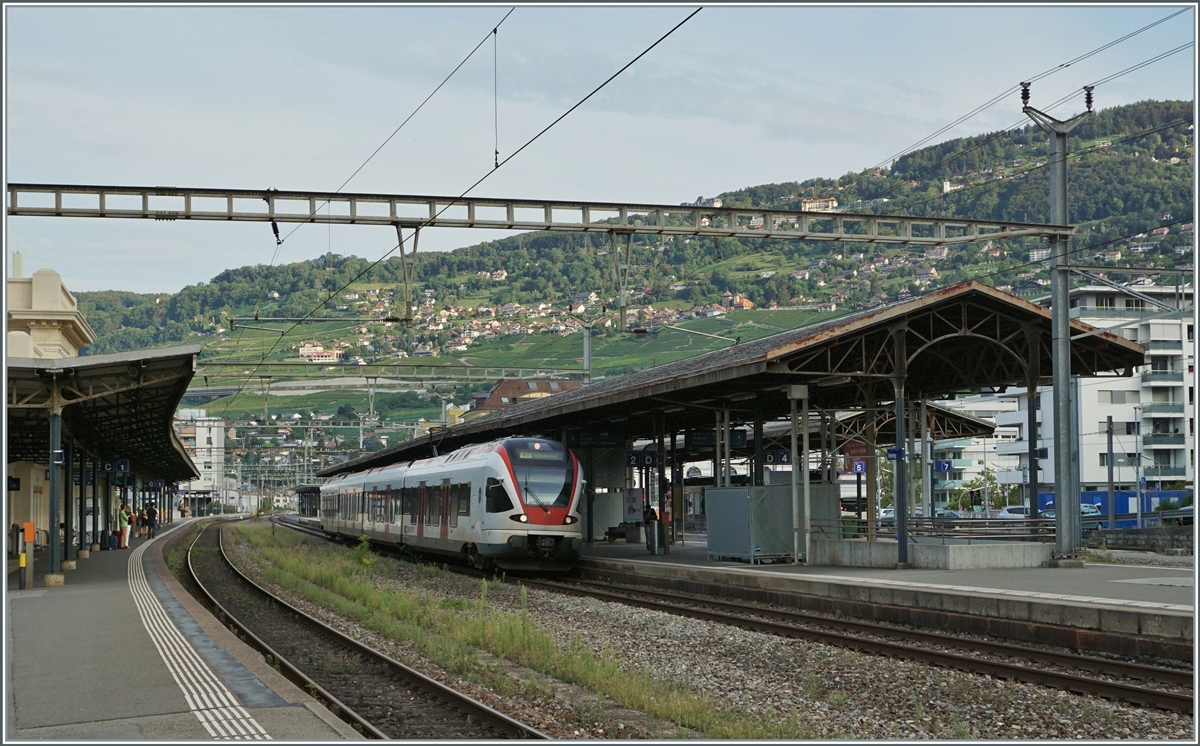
530,493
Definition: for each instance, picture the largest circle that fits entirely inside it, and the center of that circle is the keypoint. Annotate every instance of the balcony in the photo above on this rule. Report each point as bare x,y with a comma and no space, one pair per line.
1162,376
1019,417
1165,471
1159,407
1165,345
1094,312
1163,439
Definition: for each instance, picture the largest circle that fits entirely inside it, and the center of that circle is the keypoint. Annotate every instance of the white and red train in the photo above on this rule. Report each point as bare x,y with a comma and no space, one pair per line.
512,504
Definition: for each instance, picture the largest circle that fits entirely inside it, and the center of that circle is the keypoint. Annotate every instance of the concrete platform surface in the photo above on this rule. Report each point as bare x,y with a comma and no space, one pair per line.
121,652
1143,586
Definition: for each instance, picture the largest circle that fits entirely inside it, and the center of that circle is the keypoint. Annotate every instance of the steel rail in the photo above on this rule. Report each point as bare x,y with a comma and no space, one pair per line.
420,211
1172,676
1170,701
472,707
1166,700
295,675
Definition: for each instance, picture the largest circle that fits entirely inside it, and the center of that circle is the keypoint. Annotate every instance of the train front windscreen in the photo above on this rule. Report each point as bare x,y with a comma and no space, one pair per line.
543,471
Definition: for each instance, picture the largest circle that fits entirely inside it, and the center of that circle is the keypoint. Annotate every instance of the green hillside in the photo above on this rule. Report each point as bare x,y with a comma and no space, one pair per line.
1131,173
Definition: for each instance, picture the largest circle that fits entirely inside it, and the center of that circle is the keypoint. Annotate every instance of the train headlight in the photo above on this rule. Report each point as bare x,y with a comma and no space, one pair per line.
570,519
519,518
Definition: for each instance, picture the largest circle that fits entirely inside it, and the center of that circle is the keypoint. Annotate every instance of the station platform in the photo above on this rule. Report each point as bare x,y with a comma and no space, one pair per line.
1126,599
121,652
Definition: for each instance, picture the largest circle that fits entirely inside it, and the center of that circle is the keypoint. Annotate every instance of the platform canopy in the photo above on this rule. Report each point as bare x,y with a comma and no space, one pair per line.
118,406
959,340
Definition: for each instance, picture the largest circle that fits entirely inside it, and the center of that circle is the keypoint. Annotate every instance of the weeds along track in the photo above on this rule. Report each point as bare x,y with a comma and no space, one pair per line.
380,697
1081,674
1109,677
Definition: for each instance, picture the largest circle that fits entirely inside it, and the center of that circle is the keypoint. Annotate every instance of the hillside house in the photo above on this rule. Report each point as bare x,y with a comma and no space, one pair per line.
820,204
499,275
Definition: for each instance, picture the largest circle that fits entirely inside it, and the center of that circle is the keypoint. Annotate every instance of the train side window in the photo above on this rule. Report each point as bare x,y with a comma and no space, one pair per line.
497,497
464,498
451,492
410,503
433,505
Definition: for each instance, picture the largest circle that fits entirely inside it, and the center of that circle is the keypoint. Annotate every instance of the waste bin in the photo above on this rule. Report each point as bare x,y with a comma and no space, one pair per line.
654,537
849,526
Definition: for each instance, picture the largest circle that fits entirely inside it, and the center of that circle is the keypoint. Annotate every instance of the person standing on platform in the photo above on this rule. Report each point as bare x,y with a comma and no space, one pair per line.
151,521
143,523
123,527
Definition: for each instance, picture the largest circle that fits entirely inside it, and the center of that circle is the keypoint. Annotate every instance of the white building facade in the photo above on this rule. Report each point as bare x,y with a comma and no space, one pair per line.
1153,411
203,438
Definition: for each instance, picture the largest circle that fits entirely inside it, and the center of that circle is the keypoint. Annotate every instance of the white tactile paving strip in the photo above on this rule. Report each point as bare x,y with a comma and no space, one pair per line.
217,709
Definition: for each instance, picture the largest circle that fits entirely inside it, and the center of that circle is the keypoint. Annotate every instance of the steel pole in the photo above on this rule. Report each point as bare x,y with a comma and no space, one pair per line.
795,487
807,485
55,491
900,354
1066,464
1112,510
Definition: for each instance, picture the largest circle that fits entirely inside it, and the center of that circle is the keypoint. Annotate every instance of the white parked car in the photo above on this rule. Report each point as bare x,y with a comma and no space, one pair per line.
1013,512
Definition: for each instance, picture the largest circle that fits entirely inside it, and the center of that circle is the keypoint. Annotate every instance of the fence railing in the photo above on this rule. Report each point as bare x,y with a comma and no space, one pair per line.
939,530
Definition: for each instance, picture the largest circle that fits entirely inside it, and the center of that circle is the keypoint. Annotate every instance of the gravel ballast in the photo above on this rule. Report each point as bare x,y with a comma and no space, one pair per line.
835,693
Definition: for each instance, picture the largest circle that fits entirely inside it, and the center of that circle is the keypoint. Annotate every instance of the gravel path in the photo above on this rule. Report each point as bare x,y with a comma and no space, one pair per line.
837,693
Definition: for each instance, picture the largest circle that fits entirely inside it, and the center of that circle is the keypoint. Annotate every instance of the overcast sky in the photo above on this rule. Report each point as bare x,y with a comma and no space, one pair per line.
297,98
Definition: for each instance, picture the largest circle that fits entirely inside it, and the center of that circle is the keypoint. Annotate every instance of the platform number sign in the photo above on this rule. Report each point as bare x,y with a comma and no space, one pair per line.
860,467
635,459
778,456
122,466
943,466
107,467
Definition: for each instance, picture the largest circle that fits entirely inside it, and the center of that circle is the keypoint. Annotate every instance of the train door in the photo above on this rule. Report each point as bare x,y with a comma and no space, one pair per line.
447,506
422,513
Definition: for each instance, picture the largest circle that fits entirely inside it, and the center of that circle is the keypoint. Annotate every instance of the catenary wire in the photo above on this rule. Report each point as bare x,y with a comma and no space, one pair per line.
456,200
1022,123
420,106
1010,91
996,182
279,241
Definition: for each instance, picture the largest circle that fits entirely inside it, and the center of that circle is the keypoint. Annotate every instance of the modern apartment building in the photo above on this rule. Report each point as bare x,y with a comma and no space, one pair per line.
969,457
1153,412
203,438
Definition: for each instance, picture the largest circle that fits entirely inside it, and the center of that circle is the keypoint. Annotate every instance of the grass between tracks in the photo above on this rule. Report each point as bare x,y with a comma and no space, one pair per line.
451,632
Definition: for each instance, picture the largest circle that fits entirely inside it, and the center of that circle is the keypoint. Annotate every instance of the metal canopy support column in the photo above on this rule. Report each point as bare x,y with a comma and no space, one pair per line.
55,487
718,480
95,502
900,354
794,392
68,501
662,484
757,475
927,463
81,531
1033,364
728,450
1066,499
872,463
807,475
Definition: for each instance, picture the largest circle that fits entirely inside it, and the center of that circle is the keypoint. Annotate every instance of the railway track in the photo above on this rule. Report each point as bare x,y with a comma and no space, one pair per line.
1082,674
379,696
1060,670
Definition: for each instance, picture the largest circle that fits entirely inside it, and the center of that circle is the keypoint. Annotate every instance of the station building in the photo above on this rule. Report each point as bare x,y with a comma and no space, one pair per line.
85,433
